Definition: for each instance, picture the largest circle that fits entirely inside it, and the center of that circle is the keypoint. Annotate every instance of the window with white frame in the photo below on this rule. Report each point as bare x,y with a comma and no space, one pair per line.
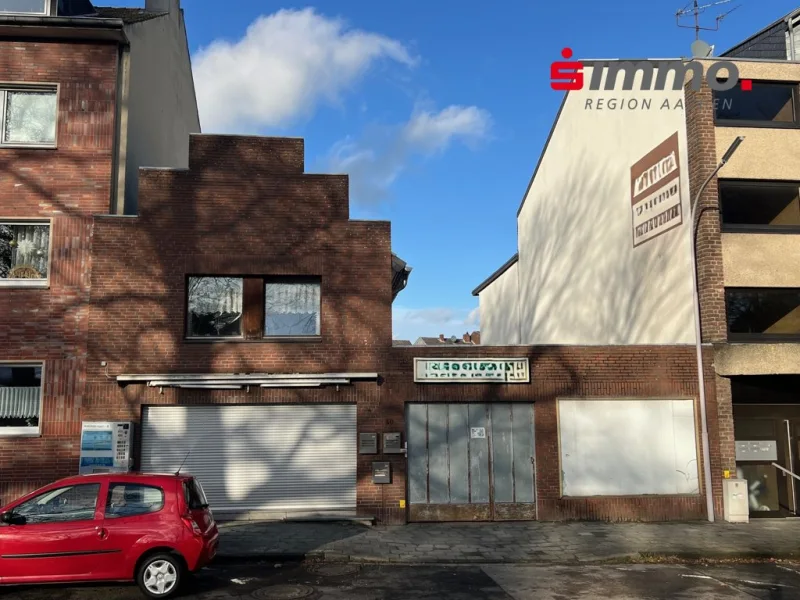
24,252
25,7
28,116
20,398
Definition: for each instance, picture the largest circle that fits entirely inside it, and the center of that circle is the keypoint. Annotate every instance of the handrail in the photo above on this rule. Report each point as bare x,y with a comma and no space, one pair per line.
787,471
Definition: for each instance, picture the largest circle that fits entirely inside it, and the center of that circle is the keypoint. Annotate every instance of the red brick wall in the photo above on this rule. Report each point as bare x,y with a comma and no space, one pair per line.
67,184
702,162
578,371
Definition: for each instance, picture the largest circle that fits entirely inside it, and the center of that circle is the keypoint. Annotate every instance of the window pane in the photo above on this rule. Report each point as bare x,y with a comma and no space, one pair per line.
754,204
20,395
73,503
131,499
292,308
24,6
763,313
30,118
765,102
215,306
24,251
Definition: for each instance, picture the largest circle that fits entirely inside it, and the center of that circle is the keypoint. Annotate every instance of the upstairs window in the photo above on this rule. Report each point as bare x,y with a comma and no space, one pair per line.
20,398
766,206
765,105
215,307
253,308
28,116
24,253
25,7
763,314
291,308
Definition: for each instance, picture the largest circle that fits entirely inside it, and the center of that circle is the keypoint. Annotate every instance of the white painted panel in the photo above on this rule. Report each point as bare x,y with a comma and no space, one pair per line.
276,457
627,447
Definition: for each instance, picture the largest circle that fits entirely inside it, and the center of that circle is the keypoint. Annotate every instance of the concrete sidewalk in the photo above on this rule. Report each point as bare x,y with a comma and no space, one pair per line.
521,542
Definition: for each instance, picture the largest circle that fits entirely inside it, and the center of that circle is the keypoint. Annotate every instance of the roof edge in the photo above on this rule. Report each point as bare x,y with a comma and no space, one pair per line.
489,280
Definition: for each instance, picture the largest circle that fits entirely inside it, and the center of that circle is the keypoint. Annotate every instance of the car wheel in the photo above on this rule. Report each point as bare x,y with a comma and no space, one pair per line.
159,576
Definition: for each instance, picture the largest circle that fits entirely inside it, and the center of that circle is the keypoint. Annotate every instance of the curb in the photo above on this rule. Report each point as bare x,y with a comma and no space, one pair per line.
619,558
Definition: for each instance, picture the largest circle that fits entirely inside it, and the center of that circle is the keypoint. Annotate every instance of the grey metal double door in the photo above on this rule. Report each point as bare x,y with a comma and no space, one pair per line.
471,462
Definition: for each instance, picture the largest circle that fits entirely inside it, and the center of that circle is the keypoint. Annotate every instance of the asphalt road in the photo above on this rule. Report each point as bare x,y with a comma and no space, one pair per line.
491,582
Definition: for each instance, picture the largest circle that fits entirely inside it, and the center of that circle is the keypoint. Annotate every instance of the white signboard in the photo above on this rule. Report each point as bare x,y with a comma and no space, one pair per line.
477,433
463,370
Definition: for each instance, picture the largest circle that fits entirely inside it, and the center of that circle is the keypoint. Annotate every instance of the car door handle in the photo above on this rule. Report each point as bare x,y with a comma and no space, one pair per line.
102,533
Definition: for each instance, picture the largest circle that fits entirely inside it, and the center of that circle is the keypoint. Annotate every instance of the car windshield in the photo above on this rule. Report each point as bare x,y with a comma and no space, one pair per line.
194,494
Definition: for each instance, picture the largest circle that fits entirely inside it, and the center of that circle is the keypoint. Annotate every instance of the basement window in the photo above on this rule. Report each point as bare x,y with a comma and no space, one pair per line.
765,105
25,7
24,253
28,116
760,206
20,398
253,308
763,314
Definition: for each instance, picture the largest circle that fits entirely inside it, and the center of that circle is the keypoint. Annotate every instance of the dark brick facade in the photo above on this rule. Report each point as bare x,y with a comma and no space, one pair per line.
67,185
245,207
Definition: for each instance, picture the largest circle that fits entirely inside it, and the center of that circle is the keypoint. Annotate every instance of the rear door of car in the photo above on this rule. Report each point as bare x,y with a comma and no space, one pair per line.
135,519
55,537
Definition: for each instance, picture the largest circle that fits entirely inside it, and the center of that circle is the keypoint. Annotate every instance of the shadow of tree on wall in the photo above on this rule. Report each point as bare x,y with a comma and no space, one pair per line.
638,292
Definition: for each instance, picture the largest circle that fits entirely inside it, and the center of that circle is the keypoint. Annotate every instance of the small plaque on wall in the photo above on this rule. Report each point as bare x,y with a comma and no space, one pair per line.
367,443
381,472
392,443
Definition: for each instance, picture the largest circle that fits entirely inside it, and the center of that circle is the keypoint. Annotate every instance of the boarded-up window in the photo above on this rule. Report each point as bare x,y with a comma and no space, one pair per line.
616,447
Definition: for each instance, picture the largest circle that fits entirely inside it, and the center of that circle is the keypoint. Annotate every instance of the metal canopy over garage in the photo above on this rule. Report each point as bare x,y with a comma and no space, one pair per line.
284,458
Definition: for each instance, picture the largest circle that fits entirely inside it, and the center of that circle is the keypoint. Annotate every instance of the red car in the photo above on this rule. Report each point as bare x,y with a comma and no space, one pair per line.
109,527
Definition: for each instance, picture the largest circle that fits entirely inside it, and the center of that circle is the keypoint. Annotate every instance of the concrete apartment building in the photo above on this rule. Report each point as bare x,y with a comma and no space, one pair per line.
73,138
604,261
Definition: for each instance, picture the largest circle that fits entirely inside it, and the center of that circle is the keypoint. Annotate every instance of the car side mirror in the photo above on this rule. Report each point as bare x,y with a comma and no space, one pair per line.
7,517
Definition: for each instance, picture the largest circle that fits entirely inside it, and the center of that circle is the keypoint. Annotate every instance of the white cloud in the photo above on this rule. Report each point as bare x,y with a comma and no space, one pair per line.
285,65
411,323
375,161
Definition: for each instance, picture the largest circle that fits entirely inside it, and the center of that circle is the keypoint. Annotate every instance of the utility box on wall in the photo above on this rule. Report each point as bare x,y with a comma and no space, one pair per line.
106,447
736,508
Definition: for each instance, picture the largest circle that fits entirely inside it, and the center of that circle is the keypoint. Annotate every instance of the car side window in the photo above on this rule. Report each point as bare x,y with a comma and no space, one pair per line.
132,499
60,505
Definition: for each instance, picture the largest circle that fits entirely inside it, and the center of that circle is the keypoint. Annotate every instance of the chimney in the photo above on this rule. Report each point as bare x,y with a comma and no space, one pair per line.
441,337
476,338
173,7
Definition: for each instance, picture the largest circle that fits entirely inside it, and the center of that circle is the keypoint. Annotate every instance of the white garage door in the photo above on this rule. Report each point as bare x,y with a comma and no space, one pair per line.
258,458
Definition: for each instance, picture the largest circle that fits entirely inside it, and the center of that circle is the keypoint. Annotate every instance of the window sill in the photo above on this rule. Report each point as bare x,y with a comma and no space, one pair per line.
789,339
264,340
756,124
28,147
37,284
30,432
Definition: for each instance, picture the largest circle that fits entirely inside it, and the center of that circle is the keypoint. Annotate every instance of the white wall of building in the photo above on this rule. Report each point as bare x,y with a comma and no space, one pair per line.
581,281
162,107
499,306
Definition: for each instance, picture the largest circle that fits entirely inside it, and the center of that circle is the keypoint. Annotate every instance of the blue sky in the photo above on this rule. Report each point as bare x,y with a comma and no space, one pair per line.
438,110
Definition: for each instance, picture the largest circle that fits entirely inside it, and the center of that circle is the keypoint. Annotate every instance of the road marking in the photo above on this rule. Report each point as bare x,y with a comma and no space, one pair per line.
696,576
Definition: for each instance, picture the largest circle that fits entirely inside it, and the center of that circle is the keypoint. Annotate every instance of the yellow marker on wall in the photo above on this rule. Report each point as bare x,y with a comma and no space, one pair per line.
726,474
402,503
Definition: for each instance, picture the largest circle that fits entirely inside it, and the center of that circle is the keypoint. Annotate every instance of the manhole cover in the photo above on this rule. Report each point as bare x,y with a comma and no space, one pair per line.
283,592
335,570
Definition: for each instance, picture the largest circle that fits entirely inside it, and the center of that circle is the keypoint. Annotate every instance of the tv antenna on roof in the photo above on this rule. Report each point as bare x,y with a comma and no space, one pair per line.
695,9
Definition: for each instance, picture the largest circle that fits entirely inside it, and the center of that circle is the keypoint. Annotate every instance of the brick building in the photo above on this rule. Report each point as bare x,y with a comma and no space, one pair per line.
68,142
603,260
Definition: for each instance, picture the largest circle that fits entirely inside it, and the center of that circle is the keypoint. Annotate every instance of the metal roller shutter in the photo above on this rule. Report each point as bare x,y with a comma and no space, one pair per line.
249,458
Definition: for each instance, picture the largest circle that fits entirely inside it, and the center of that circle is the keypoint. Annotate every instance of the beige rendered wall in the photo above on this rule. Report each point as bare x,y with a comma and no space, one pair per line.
756,260
500,310
581,280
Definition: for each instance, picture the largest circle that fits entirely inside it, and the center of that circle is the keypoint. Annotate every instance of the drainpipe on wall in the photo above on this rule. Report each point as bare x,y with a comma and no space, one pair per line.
698,333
